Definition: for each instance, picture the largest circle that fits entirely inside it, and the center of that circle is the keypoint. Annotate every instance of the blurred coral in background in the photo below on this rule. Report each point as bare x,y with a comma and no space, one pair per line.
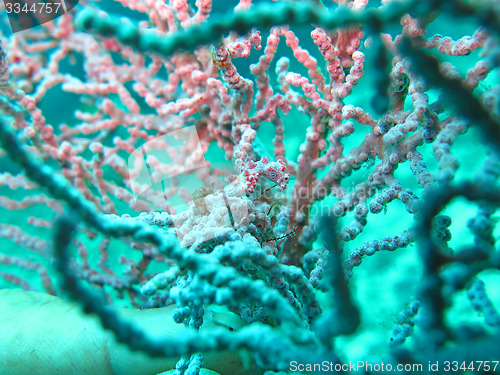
327,172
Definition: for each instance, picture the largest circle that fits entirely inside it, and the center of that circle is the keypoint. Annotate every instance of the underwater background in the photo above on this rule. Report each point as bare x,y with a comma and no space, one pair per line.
314,182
